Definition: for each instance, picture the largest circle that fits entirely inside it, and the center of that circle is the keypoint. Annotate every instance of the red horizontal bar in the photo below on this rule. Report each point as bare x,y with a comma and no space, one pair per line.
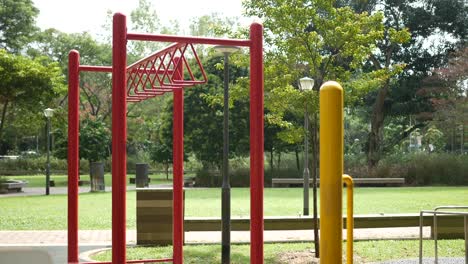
133,261
195,40
157,53
95,68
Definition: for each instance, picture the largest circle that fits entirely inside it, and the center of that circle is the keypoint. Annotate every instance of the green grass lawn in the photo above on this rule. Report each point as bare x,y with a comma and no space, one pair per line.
365,251
50,212
62,180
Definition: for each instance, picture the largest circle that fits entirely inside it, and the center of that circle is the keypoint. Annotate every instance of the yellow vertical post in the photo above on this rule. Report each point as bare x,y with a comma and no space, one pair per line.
331,172
349,218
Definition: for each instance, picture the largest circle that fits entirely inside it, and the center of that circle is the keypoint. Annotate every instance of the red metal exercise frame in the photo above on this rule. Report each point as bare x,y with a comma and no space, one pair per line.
144,84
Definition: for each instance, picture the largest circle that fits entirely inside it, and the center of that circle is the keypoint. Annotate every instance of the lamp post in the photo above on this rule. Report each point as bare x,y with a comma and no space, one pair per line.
226,187
48,113
306,84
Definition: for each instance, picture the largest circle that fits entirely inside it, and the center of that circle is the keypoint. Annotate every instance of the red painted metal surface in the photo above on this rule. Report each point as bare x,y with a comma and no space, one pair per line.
178,170
155,74
185,39
119,138
256,144
73,153
95,68
133,261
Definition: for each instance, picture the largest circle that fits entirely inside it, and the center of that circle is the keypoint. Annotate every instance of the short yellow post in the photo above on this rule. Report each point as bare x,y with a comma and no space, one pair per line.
349,218
331,172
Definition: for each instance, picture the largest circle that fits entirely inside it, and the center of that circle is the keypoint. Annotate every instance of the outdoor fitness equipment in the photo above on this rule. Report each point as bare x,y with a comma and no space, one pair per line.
332,178
167,70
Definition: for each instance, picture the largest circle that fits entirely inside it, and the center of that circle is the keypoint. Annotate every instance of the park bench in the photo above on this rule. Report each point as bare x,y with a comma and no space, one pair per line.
12,186
132,180
298,182
189,181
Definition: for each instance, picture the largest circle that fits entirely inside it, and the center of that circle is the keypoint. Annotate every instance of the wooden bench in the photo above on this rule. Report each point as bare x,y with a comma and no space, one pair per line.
189,181
133,181
298,182
83,182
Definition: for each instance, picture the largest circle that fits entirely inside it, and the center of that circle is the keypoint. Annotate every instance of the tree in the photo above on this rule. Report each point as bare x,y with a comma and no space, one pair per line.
315,39
417,38
447,92
204,105
163,154
144,19
94,140
95,87
27,83
17,24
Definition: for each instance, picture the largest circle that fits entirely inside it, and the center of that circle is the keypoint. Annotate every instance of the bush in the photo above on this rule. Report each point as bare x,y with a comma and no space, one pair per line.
240,177
417,168
443,168
33,165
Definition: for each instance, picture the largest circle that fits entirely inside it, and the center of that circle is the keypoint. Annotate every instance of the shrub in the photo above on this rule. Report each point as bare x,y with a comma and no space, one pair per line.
443,168
240,177
417,168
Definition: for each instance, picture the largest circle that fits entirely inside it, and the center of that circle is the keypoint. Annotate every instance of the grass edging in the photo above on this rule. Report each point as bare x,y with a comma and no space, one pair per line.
365,251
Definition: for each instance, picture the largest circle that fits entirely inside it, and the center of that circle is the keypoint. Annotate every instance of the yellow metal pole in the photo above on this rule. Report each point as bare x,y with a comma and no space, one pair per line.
331,172
349,218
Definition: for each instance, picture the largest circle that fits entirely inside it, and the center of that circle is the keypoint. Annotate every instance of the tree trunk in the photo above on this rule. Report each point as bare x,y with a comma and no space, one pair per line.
279,161
314,171
167,170
376,133
297,160
2,121
271,161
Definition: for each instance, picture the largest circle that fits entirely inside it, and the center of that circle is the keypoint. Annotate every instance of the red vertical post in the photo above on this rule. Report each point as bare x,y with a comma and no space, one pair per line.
178,168
73,153
256,143
119,138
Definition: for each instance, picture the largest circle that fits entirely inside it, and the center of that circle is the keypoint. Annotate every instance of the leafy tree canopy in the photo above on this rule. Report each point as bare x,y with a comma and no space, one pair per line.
27,83
17,23
315,39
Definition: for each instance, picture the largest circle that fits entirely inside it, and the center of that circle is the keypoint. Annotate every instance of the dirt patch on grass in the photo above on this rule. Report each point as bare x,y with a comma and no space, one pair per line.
306,257
298,257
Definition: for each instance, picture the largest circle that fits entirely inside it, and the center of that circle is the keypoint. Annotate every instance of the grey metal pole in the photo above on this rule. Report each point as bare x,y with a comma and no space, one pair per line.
226,187
421,236
48,157
436,257
306,163
465,226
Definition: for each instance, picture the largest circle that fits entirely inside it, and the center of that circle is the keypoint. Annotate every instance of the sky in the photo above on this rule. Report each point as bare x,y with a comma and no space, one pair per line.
89,15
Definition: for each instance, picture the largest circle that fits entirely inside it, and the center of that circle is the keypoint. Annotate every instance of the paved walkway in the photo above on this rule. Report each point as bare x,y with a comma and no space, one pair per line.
32,191
54,242
104,237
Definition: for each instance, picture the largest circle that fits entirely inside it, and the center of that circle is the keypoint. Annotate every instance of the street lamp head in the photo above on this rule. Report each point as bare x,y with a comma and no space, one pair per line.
226,49
49,112
306,83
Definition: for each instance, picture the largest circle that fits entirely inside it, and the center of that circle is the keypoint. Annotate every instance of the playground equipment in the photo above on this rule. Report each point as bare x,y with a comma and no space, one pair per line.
436,212
331,171
169,70
165,71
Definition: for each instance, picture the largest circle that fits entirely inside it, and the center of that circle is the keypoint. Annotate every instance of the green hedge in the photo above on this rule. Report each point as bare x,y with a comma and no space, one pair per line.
417,169
240,177
433,169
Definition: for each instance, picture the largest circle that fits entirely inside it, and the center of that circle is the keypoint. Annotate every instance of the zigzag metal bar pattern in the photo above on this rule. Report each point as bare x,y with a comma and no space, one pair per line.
154,75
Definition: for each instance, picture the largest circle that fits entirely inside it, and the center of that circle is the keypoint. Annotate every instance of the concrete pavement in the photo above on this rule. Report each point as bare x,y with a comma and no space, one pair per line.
104,237
54,242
